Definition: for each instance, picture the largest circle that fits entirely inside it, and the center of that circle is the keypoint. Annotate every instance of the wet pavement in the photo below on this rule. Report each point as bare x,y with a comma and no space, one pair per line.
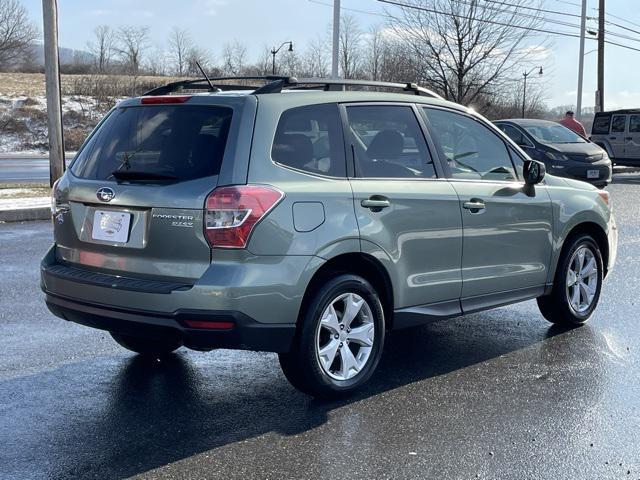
495,395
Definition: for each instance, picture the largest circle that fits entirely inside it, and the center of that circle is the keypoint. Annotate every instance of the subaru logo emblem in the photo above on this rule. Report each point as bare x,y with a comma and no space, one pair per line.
105,194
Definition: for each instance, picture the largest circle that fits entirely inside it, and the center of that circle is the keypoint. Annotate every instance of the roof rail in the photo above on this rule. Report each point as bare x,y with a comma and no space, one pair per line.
203,84
292,83
276,83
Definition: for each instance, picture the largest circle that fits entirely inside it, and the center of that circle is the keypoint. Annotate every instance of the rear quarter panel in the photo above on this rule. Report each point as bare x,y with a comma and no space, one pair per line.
316,216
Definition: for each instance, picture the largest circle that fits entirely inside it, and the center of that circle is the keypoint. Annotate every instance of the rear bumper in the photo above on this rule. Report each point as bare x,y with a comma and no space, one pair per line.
261,296
246,333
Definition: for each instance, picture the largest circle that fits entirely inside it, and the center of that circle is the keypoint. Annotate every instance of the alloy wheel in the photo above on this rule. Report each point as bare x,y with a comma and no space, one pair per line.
345,336
582,279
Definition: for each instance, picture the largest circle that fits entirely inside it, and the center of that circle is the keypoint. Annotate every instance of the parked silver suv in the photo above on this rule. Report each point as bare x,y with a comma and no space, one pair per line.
308,218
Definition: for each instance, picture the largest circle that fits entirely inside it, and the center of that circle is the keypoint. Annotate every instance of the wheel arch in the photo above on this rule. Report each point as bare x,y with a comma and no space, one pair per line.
595,231
357,263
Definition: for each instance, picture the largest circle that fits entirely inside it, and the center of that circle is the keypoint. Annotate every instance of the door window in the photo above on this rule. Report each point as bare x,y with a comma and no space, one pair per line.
634,124
515,135
309,138
618,123
471,149
388,143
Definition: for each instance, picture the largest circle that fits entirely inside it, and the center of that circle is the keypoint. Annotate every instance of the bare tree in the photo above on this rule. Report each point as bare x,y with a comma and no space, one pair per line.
263,65
233,58
157,62
17,33
374,53
316,59
132,42
180,46
102,48
195,56
465,49
350,46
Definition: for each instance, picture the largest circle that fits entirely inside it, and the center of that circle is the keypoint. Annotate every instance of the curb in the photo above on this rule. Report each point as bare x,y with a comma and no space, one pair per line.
25,214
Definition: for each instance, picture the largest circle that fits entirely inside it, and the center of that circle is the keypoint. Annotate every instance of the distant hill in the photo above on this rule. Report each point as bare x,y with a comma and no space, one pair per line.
67,55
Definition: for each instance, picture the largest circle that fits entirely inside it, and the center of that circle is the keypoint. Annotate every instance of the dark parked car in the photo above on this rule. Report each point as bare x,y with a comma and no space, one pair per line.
564,153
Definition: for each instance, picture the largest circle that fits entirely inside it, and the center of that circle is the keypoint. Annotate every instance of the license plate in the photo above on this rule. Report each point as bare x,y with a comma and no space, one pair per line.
593,173
111,226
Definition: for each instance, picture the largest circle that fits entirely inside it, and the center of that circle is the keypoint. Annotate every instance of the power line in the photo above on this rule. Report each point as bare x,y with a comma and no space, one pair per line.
620,18
569,3
543,10
539,30
542,18
493,22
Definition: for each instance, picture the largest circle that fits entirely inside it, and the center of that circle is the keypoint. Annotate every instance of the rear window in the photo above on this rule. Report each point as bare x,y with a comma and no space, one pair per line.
601,125
182,142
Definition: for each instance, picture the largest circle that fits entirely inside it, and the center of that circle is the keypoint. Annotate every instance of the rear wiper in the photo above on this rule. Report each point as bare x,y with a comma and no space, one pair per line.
140,175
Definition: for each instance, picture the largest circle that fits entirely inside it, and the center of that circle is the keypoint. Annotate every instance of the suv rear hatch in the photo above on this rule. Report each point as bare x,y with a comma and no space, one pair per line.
133,200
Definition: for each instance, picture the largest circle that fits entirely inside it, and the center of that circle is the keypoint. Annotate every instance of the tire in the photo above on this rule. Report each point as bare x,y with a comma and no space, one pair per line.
147,346
560,306
345,339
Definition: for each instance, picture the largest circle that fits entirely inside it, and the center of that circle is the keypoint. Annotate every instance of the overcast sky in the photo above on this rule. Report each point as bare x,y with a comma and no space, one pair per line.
260,23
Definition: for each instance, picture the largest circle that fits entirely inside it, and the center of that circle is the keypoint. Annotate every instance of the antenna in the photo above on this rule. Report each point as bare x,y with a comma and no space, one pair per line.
205,76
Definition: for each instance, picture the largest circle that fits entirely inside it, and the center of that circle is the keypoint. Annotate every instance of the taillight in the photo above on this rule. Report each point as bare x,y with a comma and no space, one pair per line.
232,212
163,99
57,205
54,197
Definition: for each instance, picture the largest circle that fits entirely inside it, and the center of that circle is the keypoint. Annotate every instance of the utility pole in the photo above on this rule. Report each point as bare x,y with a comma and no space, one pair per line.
583,22
52,80
336,39
600,92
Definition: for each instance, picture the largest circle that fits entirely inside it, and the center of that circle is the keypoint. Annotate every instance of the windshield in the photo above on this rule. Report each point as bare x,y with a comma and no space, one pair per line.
553,133
178,142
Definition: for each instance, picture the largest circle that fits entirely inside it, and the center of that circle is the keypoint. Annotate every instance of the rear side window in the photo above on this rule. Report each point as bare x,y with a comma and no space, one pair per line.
634,123
601,125
183,142
618,123
310,138
388,143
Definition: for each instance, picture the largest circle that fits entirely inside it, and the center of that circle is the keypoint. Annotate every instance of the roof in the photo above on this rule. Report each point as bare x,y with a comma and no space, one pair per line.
622,111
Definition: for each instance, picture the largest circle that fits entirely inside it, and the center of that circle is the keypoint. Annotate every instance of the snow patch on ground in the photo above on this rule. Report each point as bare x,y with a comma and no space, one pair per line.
23,122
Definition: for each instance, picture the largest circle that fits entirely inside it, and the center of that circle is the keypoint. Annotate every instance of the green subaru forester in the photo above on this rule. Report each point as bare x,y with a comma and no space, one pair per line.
308,217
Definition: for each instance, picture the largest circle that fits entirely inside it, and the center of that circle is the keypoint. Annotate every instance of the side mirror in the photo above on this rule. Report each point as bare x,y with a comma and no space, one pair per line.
533,172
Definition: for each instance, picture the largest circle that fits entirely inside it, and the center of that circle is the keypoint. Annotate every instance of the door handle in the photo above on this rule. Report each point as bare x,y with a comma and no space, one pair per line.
376,203
475,205
612,138
628,138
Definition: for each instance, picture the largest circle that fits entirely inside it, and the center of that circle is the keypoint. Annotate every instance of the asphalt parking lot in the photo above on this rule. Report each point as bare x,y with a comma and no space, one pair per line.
496,395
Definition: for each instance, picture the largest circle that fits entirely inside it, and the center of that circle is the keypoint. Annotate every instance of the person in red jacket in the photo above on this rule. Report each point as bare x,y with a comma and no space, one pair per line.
573,124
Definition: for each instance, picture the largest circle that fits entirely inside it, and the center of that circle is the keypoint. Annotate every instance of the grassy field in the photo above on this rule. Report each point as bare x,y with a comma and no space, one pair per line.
85,100
32,84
